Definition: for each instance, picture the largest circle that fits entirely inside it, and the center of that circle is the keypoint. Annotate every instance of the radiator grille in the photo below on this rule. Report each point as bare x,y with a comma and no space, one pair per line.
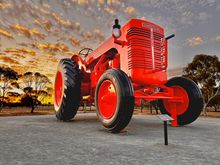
138,32
140,43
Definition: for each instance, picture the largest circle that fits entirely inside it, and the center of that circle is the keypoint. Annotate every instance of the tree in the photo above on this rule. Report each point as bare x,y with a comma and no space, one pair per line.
215,102
35,88
205,71
13,97
8,79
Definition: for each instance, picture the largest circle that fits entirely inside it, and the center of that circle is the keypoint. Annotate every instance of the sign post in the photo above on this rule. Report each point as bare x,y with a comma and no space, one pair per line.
165,118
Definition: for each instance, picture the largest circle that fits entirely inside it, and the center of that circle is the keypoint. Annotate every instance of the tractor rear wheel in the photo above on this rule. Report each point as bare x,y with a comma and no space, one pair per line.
192,105
67,90
114,100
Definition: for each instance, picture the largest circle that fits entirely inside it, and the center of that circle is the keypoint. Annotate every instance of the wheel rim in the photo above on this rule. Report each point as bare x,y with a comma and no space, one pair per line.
181,107
58,88
107,99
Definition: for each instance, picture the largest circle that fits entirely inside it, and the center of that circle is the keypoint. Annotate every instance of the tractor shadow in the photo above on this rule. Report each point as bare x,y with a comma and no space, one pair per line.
136,127
85,118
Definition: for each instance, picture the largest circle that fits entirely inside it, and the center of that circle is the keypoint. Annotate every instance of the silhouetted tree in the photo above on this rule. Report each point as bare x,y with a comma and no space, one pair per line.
26,100
35,87
215,102
12,96
30,101
7,80
205,71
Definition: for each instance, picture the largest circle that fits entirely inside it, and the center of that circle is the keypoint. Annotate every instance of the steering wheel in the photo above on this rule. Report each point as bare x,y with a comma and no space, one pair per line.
84,52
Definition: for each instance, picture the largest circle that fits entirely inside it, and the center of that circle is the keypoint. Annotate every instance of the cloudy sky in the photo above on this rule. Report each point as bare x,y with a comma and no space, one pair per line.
35,34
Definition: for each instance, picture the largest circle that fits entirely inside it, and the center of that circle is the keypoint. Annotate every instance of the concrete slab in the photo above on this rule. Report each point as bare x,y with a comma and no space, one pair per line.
44,140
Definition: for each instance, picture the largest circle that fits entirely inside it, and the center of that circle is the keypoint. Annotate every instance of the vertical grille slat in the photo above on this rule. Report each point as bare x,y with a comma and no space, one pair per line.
140,42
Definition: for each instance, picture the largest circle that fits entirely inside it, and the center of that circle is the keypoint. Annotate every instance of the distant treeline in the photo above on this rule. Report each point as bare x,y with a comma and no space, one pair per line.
28,89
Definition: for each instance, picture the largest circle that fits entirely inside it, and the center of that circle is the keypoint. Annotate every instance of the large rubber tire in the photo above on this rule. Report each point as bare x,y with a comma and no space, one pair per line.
124,104
195,100
67,90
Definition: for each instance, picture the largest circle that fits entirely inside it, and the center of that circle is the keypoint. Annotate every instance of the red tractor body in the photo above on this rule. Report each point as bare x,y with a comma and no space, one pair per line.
135,55
141,52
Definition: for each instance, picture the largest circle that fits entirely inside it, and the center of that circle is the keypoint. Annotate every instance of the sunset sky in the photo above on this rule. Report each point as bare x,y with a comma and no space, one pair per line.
35,34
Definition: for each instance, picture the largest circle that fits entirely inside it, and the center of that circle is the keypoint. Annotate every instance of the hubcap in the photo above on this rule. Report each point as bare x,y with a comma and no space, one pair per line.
181,107
107,99
58,88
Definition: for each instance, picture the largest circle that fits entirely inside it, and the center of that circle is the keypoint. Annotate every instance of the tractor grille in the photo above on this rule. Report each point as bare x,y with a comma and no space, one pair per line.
145,49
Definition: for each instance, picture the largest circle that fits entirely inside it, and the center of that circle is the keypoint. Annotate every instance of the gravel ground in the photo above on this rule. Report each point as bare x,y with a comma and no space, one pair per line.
43,140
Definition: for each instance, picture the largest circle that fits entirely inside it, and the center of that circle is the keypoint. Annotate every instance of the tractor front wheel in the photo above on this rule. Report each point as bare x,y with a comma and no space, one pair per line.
114,100
67,90
192,101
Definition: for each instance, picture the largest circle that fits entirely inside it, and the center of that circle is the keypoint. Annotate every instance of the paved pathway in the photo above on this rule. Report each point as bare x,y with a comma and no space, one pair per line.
43,140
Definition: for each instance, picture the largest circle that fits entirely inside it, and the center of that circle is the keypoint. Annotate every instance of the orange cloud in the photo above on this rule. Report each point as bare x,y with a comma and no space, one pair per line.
51,75
74,41
18,56
81,2
46,24
20,50
113,2
87,35
101,2
66,22
28,32
110,11
6,33
71,53
52,48
38,34
33,62
98,34
9,60
130,11
19,68
4,4
2,53
22,29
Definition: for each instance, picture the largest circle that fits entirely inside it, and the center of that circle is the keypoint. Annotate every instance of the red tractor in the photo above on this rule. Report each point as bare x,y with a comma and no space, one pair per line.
128,67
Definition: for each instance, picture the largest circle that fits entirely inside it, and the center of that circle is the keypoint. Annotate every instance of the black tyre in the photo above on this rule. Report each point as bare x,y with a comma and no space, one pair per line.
190,109
114,100
67,90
